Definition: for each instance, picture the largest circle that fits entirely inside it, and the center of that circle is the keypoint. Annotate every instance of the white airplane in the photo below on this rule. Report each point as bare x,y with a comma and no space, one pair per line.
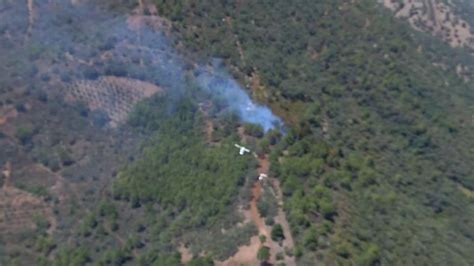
243,150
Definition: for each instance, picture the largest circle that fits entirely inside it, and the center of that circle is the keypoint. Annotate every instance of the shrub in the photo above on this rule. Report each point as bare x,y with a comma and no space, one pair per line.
201,261
267,204
310,239
280,256
277,232
263,253
253,130
20,107
24,134
269,221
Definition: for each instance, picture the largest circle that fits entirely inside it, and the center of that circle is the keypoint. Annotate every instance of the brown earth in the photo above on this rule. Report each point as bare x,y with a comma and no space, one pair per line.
254,213
7,113
138,18
31,18
209,129
186,254
435,17
59,187
208,124
141,7
288,242
19,209
247,255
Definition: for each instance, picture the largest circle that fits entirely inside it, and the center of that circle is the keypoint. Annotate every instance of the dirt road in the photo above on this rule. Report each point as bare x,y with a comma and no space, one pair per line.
247,255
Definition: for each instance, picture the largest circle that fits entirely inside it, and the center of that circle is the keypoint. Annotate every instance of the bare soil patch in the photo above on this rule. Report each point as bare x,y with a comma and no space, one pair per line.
7,113
246,255
186,254
435,17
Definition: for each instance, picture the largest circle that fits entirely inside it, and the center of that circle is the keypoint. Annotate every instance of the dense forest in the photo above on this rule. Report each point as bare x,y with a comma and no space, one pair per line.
374,160
377,163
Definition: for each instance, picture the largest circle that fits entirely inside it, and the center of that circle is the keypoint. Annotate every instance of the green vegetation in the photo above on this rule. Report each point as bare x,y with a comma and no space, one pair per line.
201,261
180,187
24,134
375,164
253,130
263,253
379,141
277,233
178,171
267,204
74,257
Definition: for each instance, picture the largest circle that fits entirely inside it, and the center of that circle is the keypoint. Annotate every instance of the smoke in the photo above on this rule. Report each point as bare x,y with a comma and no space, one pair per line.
225,89
65,41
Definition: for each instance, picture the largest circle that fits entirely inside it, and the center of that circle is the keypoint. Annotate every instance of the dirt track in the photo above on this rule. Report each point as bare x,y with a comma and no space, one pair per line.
31,16
247,255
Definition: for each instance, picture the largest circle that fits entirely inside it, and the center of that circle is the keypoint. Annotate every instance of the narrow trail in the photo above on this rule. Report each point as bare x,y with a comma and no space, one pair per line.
31,16
7,170
208,123
287,243
263,167
237,41
141,7
281,214
254,213
247,255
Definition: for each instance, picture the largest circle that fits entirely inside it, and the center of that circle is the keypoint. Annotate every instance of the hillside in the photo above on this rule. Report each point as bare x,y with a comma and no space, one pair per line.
119,119
379,156
441,19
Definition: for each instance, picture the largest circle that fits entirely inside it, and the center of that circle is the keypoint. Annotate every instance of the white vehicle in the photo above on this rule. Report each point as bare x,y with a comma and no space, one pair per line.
262,176
243,150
